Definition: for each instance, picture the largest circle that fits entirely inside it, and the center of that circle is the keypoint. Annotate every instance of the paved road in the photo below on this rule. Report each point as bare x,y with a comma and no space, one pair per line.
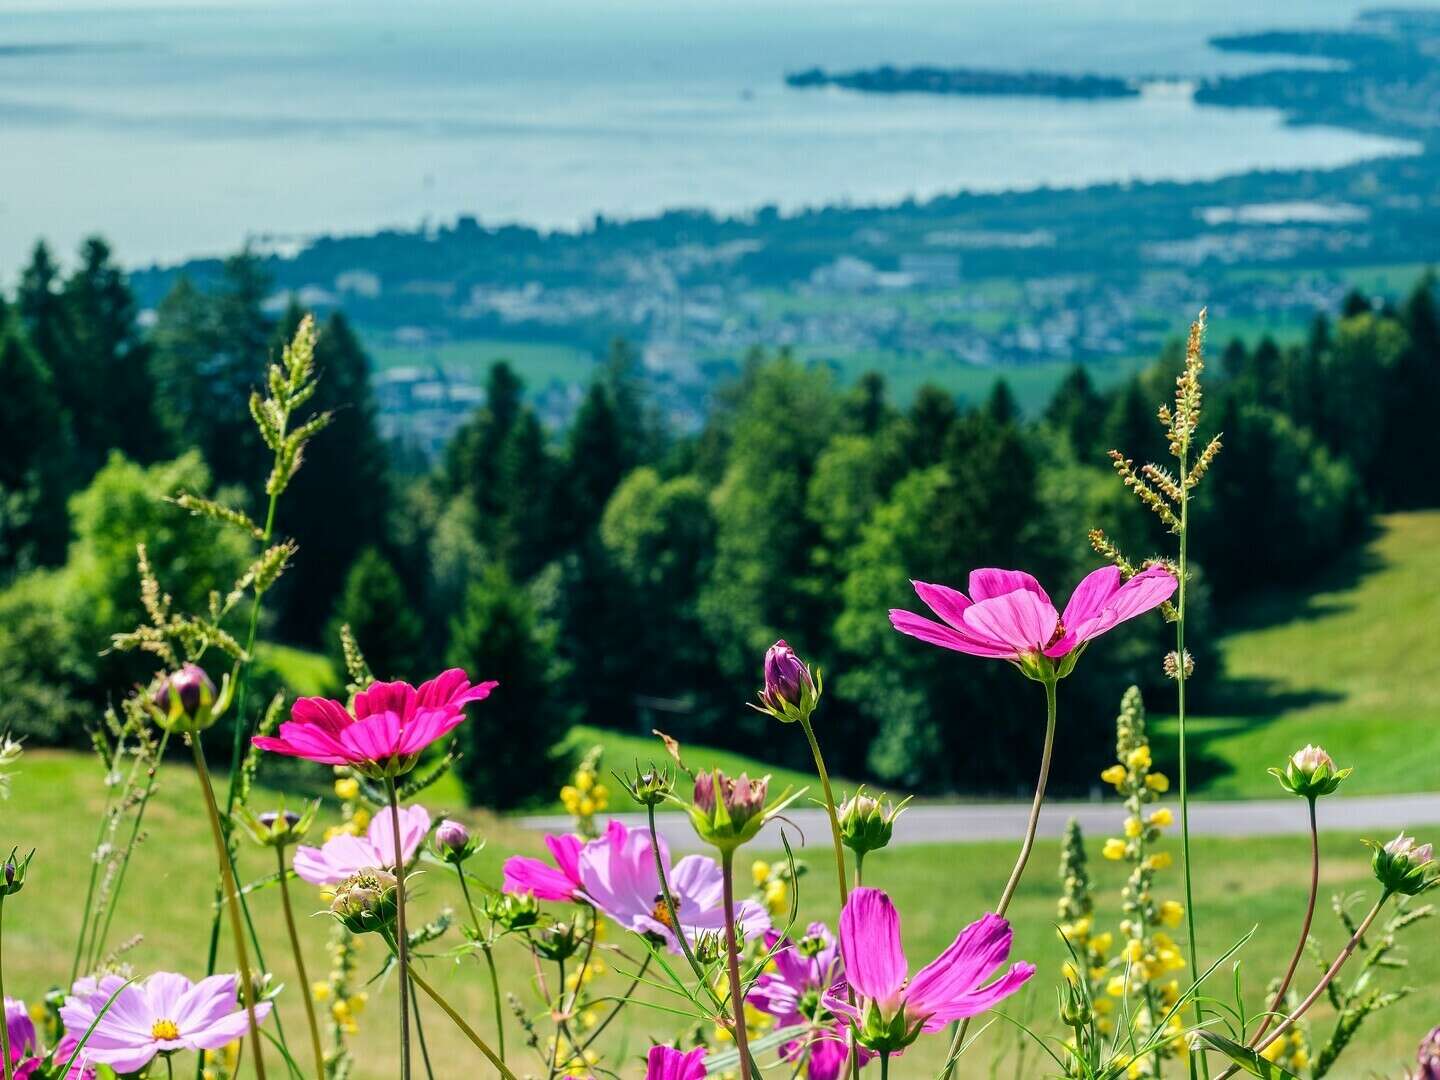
943,824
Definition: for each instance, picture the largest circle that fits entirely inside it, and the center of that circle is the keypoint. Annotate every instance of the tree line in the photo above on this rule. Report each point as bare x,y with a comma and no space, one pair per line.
624,573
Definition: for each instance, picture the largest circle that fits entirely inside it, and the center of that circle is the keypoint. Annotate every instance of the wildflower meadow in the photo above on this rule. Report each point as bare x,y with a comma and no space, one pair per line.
607,953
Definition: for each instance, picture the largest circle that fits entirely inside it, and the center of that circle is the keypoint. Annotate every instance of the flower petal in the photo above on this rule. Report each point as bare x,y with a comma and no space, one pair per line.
989,583
976,951
946,602
1021,619
927,630
870,943
975,1003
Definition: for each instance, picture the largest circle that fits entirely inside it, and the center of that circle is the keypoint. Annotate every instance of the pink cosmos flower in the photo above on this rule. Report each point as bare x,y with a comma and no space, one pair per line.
1429,1057
343,855
667,1063
19,1028
543,881
891,1010
617,873
166,1012
392,723
1008,616
794,991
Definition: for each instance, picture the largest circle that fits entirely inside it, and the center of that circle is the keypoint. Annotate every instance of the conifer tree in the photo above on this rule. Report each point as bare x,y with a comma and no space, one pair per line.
382,617
35,448
1076,409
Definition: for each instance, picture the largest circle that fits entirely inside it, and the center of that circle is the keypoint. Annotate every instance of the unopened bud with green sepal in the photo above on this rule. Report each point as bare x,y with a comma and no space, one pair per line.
867,823
1403,866
1310,773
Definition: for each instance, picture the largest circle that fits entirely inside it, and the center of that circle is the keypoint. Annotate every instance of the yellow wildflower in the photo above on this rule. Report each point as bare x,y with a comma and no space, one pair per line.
1162,818
347,788
1114,849
1115,774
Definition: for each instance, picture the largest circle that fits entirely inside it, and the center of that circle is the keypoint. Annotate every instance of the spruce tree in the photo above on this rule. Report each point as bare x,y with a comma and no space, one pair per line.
596,457
383,618
1001,405
507,746
1076,409
336,505
35,447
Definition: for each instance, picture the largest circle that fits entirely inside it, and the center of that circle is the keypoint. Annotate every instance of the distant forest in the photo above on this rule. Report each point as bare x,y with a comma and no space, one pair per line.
617,565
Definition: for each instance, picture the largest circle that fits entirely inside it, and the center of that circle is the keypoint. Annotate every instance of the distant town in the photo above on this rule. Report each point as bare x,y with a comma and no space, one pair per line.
953,290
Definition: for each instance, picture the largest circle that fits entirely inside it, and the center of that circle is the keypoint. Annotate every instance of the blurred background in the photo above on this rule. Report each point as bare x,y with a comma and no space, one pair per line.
656,331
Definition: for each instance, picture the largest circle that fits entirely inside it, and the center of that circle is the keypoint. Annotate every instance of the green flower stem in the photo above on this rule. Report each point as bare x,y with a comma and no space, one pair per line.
1026,846
232,898
1325,980
4,1028
829,808
885,1065
859,868
732,954
402,953
489,952
669,899
85,931
455,1017
559,1022
620,1003
1269,1017
300,964
98,945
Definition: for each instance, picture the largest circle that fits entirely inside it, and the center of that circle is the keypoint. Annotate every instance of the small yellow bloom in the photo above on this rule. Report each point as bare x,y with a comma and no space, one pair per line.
347,788
320,991
1133,828
1067,969
360,819
1139,758
777,897
1162,818
1172,913
759,872
1300,1059
1134,951
1115,774
1116,986
1273,1052
584,780
1161,860
1113,849
587,807
1101,942
1158,781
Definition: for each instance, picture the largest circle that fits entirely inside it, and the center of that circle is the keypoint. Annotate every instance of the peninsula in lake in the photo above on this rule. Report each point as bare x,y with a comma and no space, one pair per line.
888,79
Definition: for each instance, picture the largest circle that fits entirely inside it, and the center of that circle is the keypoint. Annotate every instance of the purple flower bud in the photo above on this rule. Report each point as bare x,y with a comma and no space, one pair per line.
191,684
9,873
705,793
270,817
786,676
452,839
1430,1057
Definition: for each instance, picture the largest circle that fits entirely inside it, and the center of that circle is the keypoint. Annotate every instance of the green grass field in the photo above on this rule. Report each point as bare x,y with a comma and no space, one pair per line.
1350,665
539,363
56,799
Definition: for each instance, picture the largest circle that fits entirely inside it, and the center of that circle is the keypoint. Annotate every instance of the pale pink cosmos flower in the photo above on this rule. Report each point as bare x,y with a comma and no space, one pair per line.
343,855
951,987
1008,616
166,1012
543,881
617,873
1429,1057
392,723
667,1063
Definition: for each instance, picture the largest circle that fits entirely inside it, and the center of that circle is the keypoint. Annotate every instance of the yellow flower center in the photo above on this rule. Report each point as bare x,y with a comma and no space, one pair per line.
164,1029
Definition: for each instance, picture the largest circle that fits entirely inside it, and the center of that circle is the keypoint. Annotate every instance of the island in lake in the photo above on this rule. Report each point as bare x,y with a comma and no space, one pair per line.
888,79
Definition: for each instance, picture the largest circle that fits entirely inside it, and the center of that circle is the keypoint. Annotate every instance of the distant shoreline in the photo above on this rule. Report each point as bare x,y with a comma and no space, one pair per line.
888,79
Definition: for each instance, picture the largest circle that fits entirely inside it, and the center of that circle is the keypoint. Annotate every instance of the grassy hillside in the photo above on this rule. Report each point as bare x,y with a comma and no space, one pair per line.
57,796
1350,664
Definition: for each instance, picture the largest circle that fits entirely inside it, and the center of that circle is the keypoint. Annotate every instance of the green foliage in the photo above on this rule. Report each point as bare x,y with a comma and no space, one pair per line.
35,451
507,744
381,615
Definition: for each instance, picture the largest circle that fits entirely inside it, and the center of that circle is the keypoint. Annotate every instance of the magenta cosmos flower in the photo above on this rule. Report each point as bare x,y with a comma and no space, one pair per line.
343,855
891,1009
667,1063
1008,616
793,991
166,1012
391,724
543,881
617,874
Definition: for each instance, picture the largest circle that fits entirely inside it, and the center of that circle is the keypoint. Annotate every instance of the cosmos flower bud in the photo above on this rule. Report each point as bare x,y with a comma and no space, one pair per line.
12,873
453,842
791,691
1310,773
513,911
365,901
728,812
650,787
1429,1057
1075,1007
186,700
558,941
867,823
278,828
1403,866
